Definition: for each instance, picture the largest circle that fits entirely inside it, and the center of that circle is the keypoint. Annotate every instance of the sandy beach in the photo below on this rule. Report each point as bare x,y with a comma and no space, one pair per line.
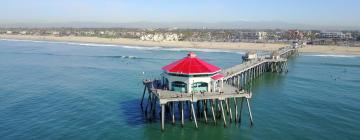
185,44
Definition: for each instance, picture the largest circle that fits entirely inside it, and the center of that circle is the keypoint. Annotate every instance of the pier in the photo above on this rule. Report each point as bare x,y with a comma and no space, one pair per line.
222,102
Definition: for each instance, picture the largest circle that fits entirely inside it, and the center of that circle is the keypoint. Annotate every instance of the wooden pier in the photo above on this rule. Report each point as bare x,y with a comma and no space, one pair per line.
226,104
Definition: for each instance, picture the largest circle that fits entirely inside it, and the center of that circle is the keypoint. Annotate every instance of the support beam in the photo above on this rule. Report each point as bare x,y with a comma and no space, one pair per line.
213,112
142,99
162,117
182,114
250,114
241,107
239,81
198,108
204,110
245,78
151,106
189,107
242,81
146,108
154,107
218,108
236,110
227,106
194,116
173,112
223,113
230,111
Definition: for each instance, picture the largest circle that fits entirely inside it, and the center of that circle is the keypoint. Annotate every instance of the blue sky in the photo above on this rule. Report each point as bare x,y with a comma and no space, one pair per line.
314,12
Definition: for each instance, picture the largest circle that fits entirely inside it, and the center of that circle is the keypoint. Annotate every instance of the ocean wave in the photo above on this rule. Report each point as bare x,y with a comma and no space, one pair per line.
201,50
59,42
93,44
141,47
99,56
120,56
135,47
333,55
23,40
183,49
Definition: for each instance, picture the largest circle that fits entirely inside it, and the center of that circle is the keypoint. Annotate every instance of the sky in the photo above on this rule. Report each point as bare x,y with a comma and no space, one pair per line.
312,12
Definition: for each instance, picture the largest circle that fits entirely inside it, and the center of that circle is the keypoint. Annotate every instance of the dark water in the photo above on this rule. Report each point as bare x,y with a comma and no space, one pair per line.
86,91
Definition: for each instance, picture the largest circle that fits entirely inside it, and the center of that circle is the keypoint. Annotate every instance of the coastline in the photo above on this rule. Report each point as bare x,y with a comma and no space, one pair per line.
194,45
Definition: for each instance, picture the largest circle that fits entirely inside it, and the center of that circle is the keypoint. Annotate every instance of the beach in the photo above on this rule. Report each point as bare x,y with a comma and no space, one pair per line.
186,44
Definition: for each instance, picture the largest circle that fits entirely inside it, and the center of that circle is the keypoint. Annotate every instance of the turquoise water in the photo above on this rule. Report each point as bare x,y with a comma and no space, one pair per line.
87,91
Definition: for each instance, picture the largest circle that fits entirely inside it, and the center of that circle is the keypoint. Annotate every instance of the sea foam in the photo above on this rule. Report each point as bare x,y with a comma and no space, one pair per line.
332,55
134,47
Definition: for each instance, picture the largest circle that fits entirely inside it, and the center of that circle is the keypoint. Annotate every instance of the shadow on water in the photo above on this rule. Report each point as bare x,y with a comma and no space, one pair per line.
131,112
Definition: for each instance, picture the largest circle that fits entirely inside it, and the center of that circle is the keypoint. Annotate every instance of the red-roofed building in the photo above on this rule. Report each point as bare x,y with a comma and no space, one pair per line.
191,74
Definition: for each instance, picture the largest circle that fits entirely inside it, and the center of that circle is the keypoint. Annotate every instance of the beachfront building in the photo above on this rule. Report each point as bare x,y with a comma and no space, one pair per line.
191,74
251,55
254,35
332,35
161,37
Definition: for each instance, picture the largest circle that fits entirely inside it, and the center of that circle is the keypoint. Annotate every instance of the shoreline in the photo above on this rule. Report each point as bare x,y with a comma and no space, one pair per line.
240,46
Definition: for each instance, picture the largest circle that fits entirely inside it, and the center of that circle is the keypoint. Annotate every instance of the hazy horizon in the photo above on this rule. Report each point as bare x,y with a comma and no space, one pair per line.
306,14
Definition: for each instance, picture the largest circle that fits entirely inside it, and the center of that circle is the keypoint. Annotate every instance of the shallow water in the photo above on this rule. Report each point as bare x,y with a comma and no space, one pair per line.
89,91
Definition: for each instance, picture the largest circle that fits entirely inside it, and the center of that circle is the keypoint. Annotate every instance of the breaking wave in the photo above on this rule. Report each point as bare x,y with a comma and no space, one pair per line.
99,56
180,49
120,56
135,47
333,55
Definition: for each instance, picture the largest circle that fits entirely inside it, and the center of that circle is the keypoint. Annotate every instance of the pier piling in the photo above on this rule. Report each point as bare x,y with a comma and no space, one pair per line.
182,114
173,112
241,107
213,112
236,110
250,114
162,117
194,116
223,113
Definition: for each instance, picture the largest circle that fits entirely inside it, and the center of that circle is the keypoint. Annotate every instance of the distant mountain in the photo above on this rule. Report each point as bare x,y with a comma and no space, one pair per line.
199,25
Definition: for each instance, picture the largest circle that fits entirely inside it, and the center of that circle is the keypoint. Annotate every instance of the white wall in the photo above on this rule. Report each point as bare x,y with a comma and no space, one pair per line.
189,81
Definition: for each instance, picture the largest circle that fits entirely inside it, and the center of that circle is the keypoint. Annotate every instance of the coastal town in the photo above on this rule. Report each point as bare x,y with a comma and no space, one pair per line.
179,69
309,37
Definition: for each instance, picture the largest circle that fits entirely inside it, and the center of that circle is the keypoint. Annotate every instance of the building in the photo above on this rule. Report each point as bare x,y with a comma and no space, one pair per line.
23,32
55,33
295,34
250,56
161,37
191,74
254,35
332,35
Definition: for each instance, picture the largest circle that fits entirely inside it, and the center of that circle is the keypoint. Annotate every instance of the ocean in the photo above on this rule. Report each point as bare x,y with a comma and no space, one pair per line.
64,90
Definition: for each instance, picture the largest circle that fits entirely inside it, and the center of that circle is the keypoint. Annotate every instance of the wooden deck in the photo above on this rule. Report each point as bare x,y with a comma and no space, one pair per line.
240,68
166,96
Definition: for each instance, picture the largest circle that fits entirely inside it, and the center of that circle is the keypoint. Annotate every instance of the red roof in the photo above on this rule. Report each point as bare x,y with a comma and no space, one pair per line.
217,76
191,65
